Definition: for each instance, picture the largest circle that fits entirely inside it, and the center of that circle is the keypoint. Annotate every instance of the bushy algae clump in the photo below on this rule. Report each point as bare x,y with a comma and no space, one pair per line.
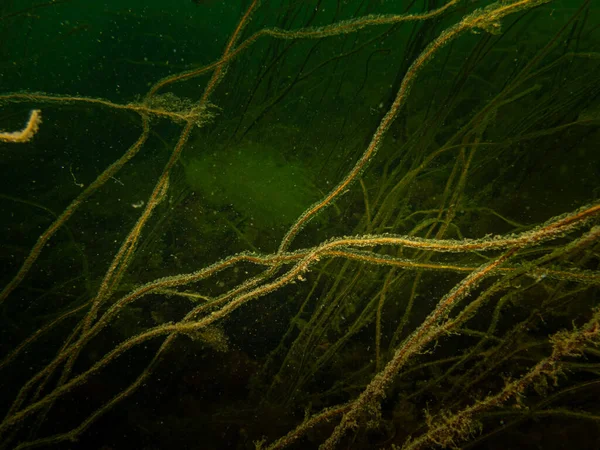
255,180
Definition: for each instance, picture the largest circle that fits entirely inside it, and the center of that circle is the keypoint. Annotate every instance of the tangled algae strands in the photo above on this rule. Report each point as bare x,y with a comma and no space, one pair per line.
417,285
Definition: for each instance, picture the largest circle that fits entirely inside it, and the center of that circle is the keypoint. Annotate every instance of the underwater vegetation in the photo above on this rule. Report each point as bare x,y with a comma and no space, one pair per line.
268,224
255,181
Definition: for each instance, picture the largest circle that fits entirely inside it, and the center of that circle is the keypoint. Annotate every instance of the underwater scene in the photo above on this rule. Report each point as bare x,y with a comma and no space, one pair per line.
299,224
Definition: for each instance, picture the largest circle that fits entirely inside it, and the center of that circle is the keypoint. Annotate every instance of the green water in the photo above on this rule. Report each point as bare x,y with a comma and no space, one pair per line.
497,134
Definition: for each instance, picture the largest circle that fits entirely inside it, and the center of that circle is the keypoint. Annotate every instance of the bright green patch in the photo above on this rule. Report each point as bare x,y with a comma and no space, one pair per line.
256,181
